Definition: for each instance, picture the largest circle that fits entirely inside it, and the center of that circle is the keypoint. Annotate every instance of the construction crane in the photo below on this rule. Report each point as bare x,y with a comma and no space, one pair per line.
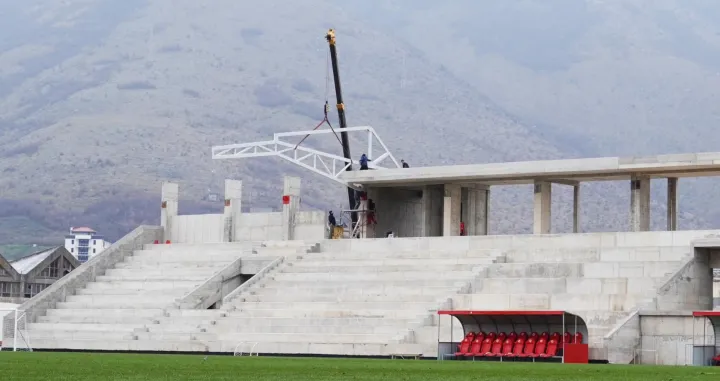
330,37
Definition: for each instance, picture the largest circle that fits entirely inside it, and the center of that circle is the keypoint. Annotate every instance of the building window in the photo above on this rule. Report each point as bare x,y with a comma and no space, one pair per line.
72,242
94,251
5,289
72,249
3,272
52,270
83,242
34,289
82,254
94,242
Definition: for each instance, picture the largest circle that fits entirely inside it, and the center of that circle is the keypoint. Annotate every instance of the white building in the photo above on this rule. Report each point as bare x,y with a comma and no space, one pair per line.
84,243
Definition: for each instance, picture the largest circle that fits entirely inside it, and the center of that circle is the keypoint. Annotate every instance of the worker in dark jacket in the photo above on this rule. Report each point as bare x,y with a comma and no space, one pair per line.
331,220
363,162
404,164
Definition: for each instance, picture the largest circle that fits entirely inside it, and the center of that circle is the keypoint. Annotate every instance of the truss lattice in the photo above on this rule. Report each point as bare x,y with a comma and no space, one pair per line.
323,163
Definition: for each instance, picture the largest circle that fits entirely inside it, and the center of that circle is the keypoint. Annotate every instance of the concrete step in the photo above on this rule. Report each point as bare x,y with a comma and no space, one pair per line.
104,319
139,277
149,261
122,299
392,276
310,261
302,306
308,283
309,338
364,328
149,285
588,286
558,302
314,348
578,270
378,269
113,304
100,344
139,265
97,328
117,312
337,312
80,335
231,245
535,270
236,320
169,291
163,272
412,254
295,296
321,290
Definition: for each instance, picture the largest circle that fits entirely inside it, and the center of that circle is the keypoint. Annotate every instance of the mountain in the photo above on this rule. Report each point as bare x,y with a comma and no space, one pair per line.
101,100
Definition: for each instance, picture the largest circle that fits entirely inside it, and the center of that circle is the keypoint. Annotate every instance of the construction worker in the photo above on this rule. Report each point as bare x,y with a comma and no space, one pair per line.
404,164
371,212
331,220
363,162
462,228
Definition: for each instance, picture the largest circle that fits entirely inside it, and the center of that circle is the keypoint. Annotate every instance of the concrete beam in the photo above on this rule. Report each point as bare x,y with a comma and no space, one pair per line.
232,210
640,204
541,210
451,210
291,204
672,199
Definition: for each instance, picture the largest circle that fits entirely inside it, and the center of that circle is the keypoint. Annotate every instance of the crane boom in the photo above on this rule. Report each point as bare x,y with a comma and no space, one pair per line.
330,37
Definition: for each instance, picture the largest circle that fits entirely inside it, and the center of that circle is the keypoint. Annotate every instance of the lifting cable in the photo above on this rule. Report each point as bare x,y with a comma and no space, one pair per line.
326,109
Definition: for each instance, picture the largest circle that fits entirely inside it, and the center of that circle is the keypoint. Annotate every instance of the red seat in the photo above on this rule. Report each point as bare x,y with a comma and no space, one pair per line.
502,336
534,335
578,338
716,360
523,335
484,348
476,344
529,348
496,349
517,348
555,336
567,338
513,336
490,335
464,346
507,348
539,348
545,336
551,350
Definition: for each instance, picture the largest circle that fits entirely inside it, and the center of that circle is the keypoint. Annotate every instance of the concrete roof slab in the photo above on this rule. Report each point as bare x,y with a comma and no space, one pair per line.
525,172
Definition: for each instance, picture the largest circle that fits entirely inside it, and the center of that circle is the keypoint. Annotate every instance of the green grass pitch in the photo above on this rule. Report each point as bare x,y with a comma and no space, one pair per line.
40,366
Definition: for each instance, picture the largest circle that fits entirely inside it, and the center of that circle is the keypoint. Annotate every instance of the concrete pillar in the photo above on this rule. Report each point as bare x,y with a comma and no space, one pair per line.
451,210
672,200
541,210
640,204
291,204
432,204
233,204
576,208
476,221
170,195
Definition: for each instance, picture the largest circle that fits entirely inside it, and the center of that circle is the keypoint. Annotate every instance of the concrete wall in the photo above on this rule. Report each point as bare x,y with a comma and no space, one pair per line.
310,226
668,338
690,287
399,211
259,227
200,228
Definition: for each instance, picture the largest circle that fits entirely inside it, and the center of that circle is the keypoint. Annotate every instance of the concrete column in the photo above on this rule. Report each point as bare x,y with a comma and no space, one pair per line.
476,222
451,210
672,200
170,195
233,204
433,201
541,210
576,208
640,204
291,204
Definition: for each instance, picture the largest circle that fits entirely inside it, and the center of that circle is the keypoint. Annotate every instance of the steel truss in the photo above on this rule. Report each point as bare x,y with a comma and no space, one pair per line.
322,163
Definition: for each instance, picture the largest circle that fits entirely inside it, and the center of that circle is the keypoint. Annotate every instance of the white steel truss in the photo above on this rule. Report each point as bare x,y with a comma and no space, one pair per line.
322,163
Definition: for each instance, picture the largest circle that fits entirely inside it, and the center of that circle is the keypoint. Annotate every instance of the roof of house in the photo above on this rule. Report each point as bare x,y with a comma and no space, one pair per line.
27,264
83,229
